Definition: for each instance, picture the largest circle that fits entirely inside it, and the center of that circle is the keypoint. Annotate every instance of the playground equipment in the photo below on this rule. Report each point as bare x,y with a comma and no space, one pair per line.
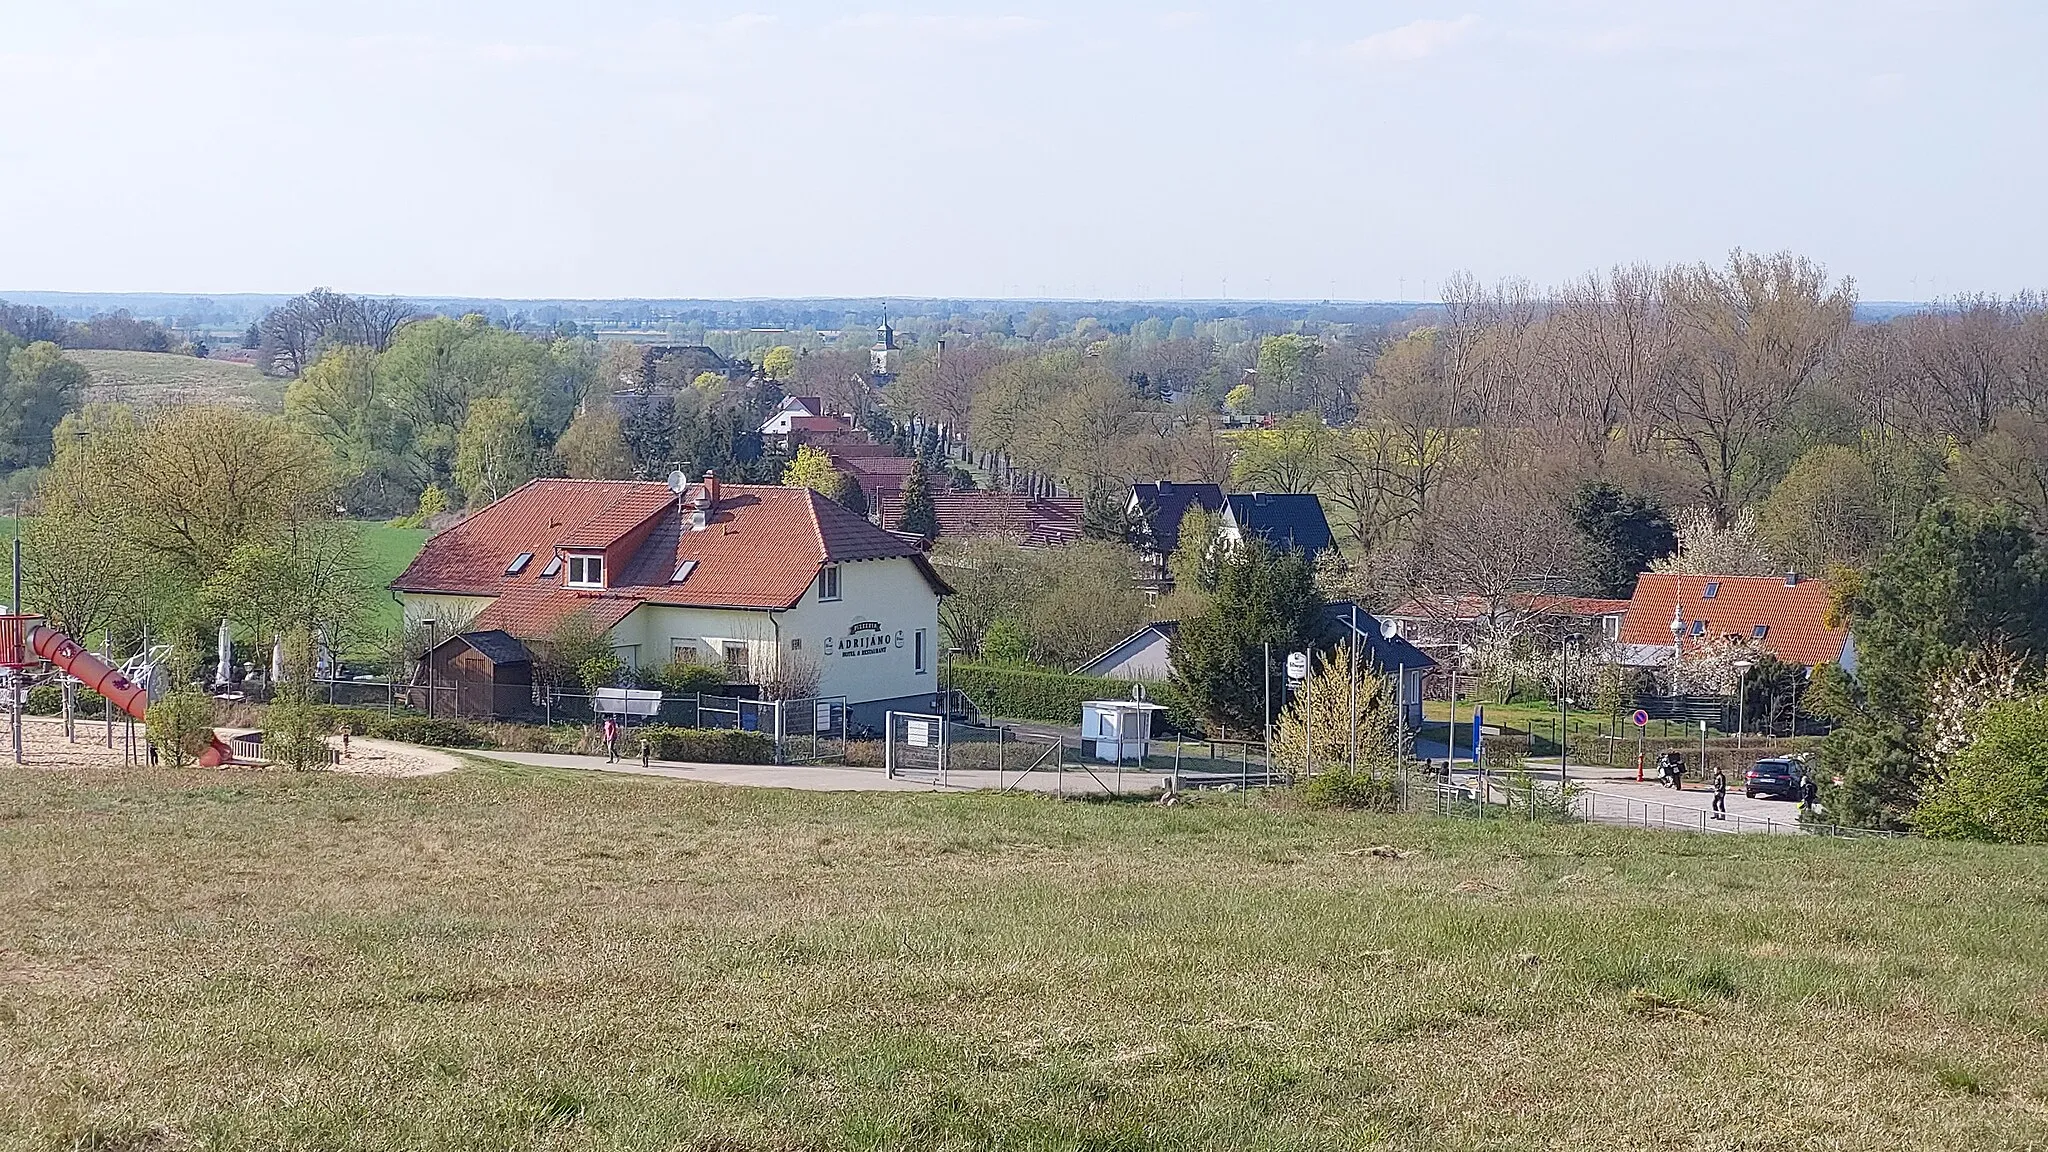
24,637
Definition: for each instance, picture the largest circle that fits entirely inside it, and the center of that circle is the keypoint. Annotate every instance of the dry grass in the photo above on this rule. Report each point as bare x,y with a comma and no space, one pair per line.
508,959
164,378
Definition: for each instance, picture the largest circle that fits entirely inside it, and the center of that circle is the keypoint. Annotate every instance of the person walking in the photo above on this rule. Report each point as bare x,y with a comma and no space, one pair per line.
611,740
1809,794
1720,795
646,752
344,741
1678,775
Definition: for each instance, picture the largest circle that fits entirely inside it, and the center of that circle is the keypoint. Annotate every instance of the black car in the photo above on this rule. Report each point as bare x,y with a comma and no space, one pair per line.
1781,778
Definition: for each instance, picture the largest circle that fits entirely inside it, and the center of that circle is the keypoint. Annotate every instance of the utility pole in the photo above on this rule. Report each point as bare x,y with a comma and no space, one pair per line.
1269,711
1354,688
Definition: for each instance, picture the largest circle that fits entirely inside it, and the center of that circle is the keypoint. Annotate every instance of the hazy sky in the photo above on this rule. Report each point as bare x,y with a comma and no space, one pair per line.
1298,150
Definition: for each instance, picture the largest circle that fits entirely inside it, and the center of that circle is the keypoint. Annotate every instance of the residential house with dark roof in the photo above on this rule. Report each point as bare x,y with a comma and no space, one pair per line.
1785,616
1446,626
1155,513
1147,654
1284,520
750,577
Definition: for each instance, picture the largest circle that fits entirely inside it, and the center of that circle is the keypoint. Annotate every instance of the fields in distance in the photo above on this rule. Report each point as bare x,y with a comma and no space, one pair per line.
144,378
501,958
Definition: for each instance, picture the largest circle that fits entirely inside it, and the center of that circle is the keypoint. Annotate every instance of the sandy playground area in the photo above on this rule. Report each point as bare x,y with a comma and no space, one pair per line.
44,746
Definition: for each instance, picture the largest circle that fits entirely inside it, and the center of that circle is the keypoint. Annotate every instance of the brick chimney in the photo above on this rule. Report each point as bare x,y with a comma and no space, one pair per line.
710,491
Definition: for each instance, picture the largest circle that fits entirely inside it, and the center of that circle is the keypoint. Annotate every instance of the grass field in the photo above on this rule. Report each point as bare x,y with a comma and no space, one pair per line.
388,551
494,959
160,377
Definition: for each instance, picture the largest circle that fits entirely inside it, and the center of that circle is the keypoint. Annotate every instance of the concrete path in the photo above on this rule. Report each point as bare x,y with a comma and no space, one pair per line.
838,778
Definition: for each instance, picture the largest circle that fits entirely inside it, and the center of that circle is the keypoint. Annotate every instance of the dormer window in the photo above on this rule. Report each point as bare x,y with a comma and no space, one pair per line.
586,572
828,582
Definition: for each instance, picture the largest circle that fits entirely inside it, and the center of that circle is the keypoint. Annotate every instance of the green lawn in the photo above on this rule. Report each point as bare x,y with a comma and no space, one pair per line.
551,960
389,550
161,377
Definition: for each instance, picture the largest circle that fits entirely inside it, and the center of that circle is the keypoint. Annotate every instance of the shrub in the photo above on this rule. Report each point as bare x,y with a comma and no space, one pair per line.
1343,788
1004,645
433,731
705,745
685,678
1036,694
1995,789
292,733
181,726
44,700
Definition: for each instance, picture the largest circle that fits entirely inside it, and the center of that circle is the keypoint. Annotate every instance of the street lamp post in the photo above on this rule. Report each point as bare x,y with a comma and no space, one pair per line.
1564,700
1742,668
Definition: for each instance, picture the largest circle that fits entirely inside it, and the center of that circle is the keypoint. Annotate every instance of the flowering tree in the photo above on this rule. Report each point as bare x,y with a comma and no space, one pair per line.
1960,693
1314,731
1705,548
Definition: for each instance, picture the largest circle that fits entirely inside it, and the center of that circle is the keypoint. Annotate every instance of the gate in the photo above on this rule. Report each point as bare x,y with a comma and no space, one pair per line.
914,746
811,731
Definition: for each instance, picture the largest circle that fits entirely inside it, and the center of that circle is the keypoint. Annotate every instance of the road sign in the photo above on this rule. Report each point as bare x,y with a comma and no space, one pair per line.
1641,718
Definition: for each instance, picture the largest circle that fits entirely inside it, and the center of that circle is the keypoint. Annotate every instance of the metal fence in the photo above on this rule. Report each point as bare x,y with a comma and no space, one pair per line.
1508,798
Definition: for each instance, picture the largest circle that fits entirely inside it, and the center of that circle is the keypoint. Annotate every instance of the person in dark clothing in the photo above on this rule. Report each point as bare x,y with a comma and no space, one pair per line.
646,751
1809,794
1678,775
1720,795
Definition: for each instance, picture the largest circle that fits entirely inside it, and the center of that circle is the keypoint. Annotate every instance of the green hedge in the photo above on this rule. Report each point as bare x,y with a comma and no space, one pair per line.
703,745
1054,697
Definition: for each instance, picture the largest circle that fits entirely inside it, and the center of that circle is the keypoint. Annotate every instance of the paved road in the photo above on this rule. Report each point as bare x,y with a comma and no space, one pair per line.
1611,797
836,778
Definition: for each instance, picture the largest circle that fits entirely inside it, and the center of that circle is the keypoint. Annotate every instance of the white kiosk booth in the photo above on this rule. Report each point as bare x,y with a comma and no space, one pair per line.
1117,729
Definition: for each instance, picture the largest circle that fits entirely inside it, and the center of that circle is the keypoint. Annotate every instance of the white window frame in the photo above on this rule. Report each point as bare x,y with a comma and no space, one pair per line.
585,564
828,583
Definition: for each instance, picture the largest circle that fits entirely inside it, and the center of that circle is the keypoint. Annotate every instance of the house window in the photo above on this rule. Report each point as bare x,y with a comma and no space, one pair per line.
683,571
519,564
828,582
796,644
736,665
1699,627
682,652
586,572
554,566
1759,632
917,652
1713,589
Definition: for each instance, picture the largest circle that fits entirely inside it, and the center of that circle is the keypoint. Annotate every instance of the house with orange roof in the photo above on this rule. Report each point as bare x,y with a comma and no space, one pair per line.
746,577
1786,616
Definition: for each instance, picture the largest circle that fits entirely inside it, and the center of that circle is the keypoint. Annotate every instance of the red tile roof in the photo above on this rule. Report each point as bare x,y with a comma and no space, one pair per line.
1037,520
1792,615
761,548
820,424
892,466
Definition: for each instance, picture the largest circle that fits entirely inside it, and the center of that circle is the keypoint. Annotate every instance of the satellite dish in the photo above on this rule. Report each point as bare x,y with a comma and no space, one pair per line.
1138,692
1388,628
677,482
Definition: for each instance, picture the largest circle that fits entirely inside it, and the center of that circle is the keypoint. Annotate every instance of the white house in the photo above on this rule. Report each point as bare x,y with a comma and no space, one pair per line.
754,578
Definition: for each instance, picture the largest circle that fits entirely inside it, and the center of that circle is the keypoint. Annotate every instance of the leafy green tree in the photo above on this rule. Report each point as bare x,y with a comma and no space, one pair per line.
1262,598
918,515
1293,457
812,468
779,363
181,725
1826,513
1197,553
38,387
345,401
1831,694
1995,789
494,453
308,579
1086,597
1959,581
1005,645
1621,532
853,497
594,447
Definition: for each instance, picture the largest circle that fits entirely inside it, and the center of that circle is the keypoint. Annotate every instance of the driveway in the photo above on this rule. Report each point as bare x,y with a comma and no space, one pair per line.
1101,780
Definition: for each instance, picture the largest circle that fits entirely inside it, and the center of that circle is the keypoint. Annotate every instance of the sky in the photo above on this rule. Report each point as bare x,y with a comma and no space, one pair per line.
1286,150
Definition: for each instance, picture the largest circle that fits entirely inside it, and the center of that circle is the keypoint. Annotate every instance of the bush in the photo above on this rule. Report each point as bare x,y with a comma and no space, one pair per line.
704,745
685,678
1036,694
44,700
432,731
292,733
1343,788
1996,788
181,726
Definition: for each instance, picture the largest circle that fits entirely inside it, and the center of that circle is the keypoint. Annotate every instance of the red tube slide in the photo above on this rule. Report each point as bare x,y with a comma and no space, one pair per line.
72,657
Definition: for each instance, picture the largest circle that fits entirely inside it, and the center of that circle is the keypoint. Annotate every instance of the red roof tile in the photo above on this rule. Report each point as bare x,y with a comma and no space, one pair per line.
1041,520
1792,615
761,548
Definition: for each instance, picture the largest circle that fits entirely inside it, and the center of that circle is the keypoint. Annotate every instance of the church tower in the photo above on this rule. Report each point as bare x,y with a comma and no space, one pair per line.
884,359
